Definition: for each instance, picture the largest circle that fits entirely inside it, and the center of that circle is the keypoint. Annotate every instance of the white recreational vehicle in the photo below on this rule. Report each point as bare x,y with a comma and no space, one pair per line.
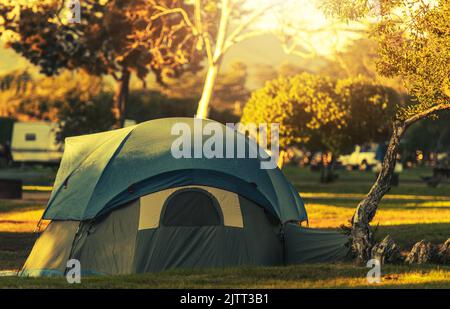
35,142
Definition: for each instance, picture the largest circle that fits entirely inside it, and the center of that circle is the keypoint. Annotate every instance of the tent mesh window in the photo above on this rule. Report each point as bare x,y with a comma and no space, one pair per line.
192,207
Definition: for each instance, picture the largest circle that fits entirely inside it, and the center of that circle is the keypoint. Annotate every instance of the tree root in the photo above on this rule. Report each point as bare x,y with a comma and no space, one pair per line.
421,253
387,252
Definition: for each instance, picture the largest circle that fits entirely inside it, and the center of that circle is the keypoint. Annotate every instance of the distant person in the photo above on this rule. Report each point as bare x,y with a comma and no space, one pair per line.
2,154
381,151
395,180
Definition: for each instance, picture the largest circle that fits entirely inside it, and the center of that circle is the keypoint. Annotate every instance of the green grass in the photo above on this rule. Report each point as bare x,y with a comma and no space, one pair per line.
300,276
14,249
11,206
360,182
31,175
406,235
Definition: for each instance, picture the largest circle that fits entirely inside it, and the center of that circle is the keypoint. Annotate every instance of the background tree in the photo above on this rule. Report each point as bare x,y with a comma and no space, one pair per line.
115,38
324,114
262,73
368,110
12,86
220,24
78,102
413,41
146,104
301,105
230,90
417,138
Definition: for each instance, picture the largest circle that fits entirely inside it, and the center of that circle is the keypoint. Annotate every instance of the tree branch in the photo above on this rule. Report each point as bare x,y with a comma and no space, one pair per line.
208,47
252,18
165,11
292,50
198,15
425,113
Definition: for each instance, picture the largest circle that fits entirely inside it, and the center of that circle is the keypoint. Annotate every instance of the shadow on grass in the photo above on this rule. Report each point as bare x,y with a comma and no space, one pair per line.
407,204
406,235
7,206
38,176
14,249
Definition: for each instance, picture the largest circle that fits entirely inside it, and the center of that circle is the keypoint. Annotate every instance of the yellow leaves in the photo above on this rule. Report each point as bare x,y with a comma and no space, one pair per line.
446,87
312,107
48,91
300,104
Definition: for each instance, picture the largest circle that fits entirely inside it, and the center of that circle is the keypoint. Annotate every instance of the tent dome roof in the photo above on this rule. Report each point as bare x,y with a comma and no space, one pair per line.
100,172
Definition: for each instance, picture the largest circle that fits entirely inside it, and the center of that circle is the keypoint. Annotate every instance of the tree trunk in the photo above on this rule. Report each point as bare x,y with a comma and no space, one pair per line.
210,81
121,98
361,234
214,61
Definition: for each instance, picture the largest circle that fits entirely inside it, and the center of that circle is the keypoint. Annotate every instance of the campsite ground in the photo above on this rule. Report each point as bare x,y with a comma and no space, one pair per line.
409,213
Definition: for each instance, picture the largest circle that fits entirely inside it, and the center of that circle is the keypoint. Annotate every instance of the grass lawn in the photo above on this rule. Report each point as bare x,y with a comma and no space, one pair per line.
31,175
409,213
300,276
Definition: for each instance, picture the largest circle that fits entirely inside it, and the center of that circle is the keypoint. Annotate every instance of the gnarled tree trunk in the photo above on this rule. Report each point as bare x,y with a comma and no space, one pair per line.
361,234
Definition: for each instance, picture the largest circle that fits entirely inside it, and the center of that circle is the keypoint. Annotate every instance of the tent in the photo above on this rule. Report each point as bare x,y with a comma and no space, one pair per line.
122,203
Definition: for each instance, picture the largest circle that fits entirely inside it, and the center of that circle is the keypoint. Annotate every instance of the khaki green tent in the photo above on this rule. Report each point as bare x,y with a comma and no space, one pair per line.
122,203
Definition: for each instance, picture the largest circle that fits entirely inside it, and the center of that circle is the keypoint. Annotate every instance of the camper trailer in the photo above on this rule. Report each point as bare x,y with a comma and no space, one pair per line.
35,142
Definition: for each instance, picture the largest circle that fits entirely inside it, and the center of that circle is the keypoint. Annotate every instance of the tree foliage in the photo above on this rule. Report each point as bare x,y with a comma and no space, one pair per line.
78,102
323,113
300,105
369,109
418,137
359,59
78,116
418,50
112,34
12,86
413,39
114,37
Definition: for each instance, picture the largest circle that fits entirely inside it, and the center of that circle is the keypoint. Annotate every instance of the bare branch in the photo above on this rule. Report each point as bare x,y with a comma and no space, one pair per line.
208,47
292,49
425,113
166,11
198,15
222,32
251,19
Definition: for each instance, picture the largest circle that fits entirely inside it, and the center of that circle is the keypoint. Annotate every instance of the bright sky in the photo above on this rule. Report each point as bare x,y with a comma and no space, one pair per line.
303,14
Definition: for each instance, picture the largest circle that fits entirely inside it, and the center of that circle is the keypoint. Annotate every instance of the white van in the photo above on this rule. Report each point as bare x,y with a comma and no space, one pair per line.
35,142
